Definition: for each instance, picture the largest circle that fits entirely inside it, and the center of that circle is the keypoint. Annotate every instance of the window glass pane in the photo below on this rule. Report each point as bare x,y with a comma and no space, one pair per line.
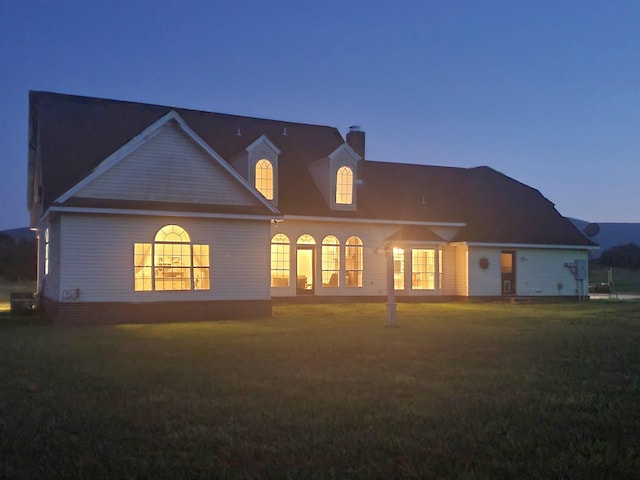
353,262
172,233
344,186
330,261
142,267
280,261
264,178
423,269
398,268
306,239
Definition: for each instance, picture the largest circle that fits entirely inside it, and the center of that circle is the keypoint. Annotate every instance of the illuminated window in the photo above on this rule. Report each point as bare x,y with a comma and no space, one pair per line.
46,251
344,186
330,261
306,239
398,268
353,262
171,262
264,178
423,269
280,260
439,269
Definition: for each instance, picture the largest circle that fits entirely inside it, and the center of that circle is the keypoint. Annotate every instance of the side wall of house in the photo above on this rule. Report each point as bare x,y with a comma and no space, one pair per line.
538,272
96,253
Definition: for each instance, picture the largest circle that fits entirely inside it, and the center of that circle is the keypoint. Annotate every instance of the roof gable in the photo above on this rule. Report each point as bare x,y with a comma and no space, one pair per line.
167,162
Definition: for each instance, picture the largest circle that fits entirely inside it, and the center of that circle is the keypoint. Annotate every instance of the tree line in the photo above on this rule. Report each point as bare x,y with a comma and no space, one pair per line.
18,258
622,256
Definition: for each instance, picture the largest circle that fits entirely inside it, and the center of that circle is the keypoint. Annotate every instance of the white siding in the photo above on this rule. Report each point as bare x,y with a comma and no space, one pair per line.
484,282
462,271
449,269
169,167
538,272
97,258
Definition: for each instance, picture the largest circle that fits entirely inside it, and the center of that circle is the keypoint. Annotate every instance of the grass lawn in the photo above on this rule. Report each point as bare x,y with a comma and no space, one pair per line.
455,391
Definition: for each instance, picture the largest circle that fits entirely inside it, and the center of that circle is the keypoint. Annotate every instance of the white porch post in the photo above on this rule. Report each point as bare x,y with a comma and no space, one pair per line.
391,294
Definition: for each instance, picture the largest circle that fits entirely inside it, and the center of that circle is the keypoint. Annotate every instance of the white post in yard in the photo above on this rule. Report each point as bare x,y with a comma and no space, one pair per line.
391,294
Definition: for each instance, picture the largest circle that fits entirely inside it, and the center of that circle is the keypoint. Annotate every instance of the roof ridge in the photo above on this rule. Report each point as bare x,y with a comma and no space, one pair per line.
136,104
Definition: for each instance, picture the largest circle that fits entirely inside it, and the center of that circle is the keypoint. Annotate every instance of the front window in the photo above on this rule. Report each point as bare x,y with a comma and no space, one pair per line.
280,260
353,262
344,186
264,178
172,262
330,261
398,268
423,269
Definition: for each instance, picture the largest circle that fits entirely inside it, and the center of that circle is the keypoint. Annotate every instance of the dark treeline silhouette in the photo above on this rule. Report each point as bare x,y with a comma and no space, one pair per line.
622,256
18,258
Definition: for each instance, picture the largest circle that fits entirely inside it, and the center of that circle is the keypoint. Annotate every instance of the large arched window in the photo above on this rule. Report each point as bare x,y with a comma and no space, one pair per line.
353,262
344,186
330,261
280,260
264,178
172,262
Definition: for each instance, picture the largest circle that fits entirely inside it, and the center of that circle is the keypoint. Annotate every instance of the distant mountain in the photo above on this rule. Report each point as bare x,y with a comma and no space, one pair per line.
20,233
611,234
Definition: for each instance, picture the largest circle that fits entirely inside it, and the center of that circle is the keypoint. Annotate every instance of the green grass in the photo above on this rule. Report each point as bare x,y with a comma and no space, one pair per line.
454,391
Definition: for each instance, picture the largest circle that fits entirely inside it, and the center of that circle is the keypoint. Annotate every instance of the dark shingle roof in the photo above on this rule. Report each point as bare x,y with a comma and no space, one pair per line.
77,133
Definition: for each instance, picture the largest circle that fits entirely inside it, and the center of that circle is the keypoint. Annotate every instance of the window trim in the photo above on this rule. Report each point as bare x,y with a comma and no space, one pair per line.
189,263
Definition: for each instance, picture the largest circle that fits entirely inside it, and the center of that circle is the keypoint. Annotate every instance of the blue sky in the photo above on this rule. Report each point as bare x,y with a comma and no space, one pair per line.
547,92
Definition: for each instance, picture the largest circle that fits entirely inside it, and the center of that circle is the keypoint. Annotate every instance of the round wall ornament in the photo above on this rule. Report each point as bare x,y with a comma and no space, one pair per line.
484,263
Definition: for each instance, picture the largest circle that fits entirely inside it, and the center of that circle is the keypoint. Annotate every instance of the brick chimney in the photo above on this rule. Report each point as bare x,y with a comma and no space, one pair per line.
355,139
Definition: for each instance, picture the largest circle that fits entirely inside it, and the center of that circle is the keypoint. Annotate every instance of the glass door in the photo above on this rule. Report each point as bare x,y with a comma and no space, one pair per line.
305,270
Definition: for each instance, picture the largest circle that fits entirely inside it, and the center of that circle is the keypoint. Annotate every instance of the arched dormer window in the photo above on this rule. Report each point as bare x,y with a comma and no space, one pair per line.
172,262
344,186
264,178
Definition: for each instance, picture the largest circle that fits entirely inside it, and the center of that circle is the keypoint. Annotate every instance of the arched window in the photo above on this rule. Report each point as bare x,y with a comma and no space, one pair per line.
280,260
330,261
264,178
344,186
171,262
306,239
353,262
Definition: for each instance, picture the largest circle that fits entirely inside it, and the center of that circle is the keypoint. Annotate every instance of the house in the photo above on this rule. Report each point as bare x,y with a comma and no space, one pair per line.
154,213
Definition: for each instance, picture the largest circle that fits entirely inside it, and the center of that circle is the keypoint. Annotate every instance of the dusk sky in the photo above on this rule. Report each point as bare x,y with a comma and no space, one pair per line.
547,92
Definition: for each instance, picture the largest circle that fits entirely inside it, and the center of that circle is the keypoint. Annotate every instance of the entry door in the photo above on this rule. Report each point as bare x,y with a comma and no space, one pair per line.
508,268
305,270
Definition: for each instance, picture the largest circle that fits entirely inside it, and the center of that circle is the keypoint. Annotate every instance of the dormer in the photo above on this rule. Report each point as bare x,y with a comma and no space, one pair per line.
335,175
259,165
